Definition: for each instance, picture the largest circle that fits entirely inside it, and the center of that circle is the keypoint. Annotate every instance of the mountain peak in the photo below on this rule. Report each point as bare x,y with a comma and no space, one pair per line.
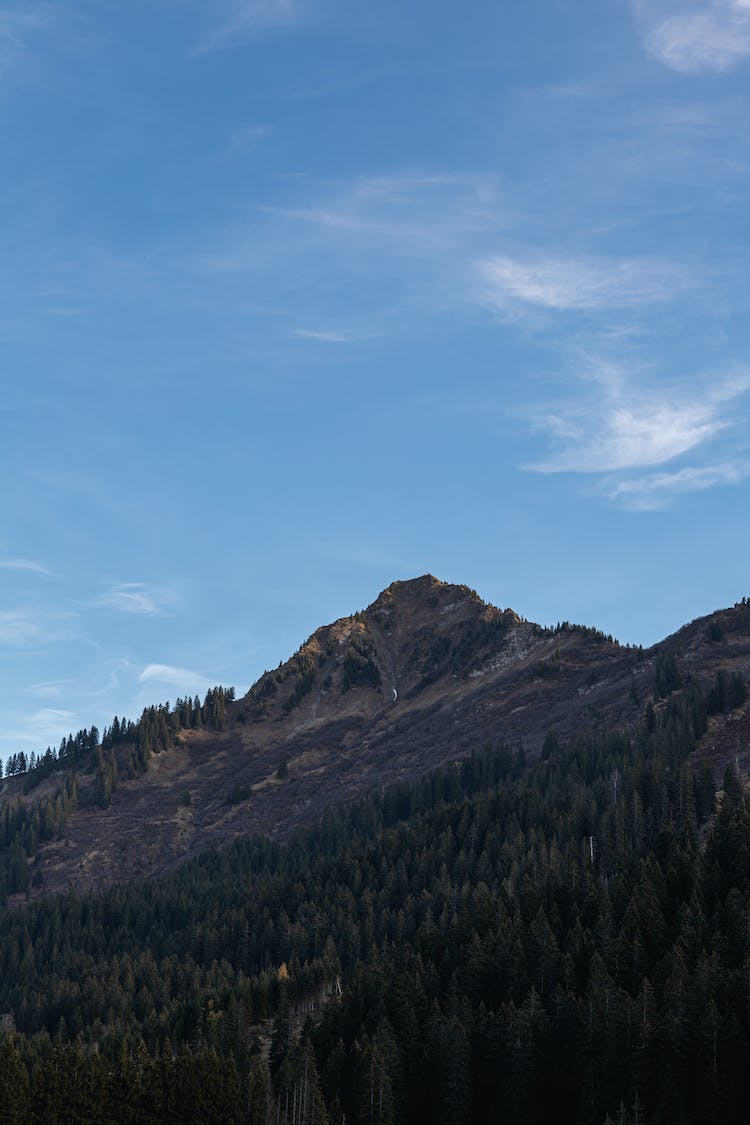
425,589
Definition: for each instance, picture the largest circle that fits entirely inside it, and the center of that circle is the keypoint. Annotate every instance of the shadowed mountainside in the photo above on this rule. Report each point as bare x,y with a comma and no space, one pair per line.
424,675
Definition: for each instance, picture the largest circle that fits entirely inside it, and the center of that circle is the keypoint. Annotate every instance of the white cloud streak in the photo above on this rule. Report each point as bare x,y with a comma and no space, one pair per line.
574,285
181,678
657,490
19,629
411,213
391,243
30,627
244,18
400,240
27,565
324,336
20,27
49,718
626,436
16,25
624,426
38,729
131,597
248,138
711,36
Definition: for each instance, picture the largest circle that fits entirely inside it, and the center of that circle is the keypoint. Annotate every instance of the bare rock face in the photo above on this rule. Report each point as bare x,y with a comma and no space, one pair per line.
423,676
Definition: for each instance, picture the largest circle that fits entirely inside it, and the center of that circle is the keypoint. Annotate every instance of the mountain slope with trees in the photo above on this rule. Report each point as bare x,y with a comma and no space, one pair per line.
500,941
423,676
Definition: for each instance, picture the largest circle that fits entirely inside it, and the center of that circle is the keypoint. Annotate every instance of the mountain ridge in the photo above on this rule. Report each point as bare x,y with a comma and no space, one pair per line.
425,674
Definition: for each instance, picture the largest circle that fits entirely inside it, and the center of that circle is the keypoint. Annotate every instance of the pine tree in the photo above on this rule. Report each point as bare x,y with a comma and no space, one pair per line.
15,1097
260,1097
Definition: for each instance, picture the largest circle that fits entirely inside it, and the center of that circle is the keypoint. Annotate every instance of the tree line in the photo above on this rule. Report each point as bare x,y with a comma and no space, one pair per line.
125,749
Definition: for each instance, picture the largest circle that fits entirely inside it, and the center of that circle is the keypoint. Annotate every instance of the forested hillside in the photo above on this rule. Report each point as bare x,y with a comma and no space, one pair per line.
564,940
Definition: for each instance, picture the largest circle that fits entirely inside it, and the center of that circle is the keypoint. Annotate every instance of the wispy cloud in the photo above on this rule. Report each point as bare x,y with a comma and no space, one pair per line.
389,242
181,678
713,36
102,680
657,490
92,694
621,424
573,284
49,689
133,597
325,336
17,27
25,565
19,629
248,138
29,626
619,435
48,717
74,483
241,19
15,23
38,729
412,212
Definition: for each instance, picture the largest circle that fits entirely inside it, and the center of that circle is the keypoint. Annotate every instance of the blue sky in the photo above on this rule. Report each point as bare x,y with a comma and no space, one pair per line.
298,297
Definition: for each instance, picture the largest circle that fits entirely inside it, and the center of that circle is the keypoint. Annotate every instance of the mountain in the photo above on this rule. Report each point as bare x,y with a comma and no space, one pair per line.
423,676
551,925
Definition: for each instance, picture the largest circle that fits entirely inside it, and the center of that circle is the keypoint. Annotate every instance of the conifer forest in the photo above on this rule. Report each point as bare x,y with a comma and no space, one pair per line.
565,940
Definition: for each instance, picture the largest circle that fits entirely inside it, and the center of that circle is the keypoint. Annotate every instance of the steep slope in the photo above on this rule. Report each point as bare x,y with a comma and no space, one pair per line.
424,675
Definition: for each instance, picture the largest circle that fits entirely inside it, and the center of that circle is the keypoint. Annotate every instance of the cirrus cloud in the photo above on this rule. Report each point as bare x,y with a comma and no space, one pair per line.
181,678
573,284
133,597
19,628
241,19
692,39
623,425
657,490
27,565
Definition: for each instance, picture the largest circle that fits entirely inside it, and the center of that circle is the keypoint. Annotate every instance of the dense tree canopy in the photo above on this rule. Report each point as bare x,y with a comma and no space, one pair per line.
563,941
